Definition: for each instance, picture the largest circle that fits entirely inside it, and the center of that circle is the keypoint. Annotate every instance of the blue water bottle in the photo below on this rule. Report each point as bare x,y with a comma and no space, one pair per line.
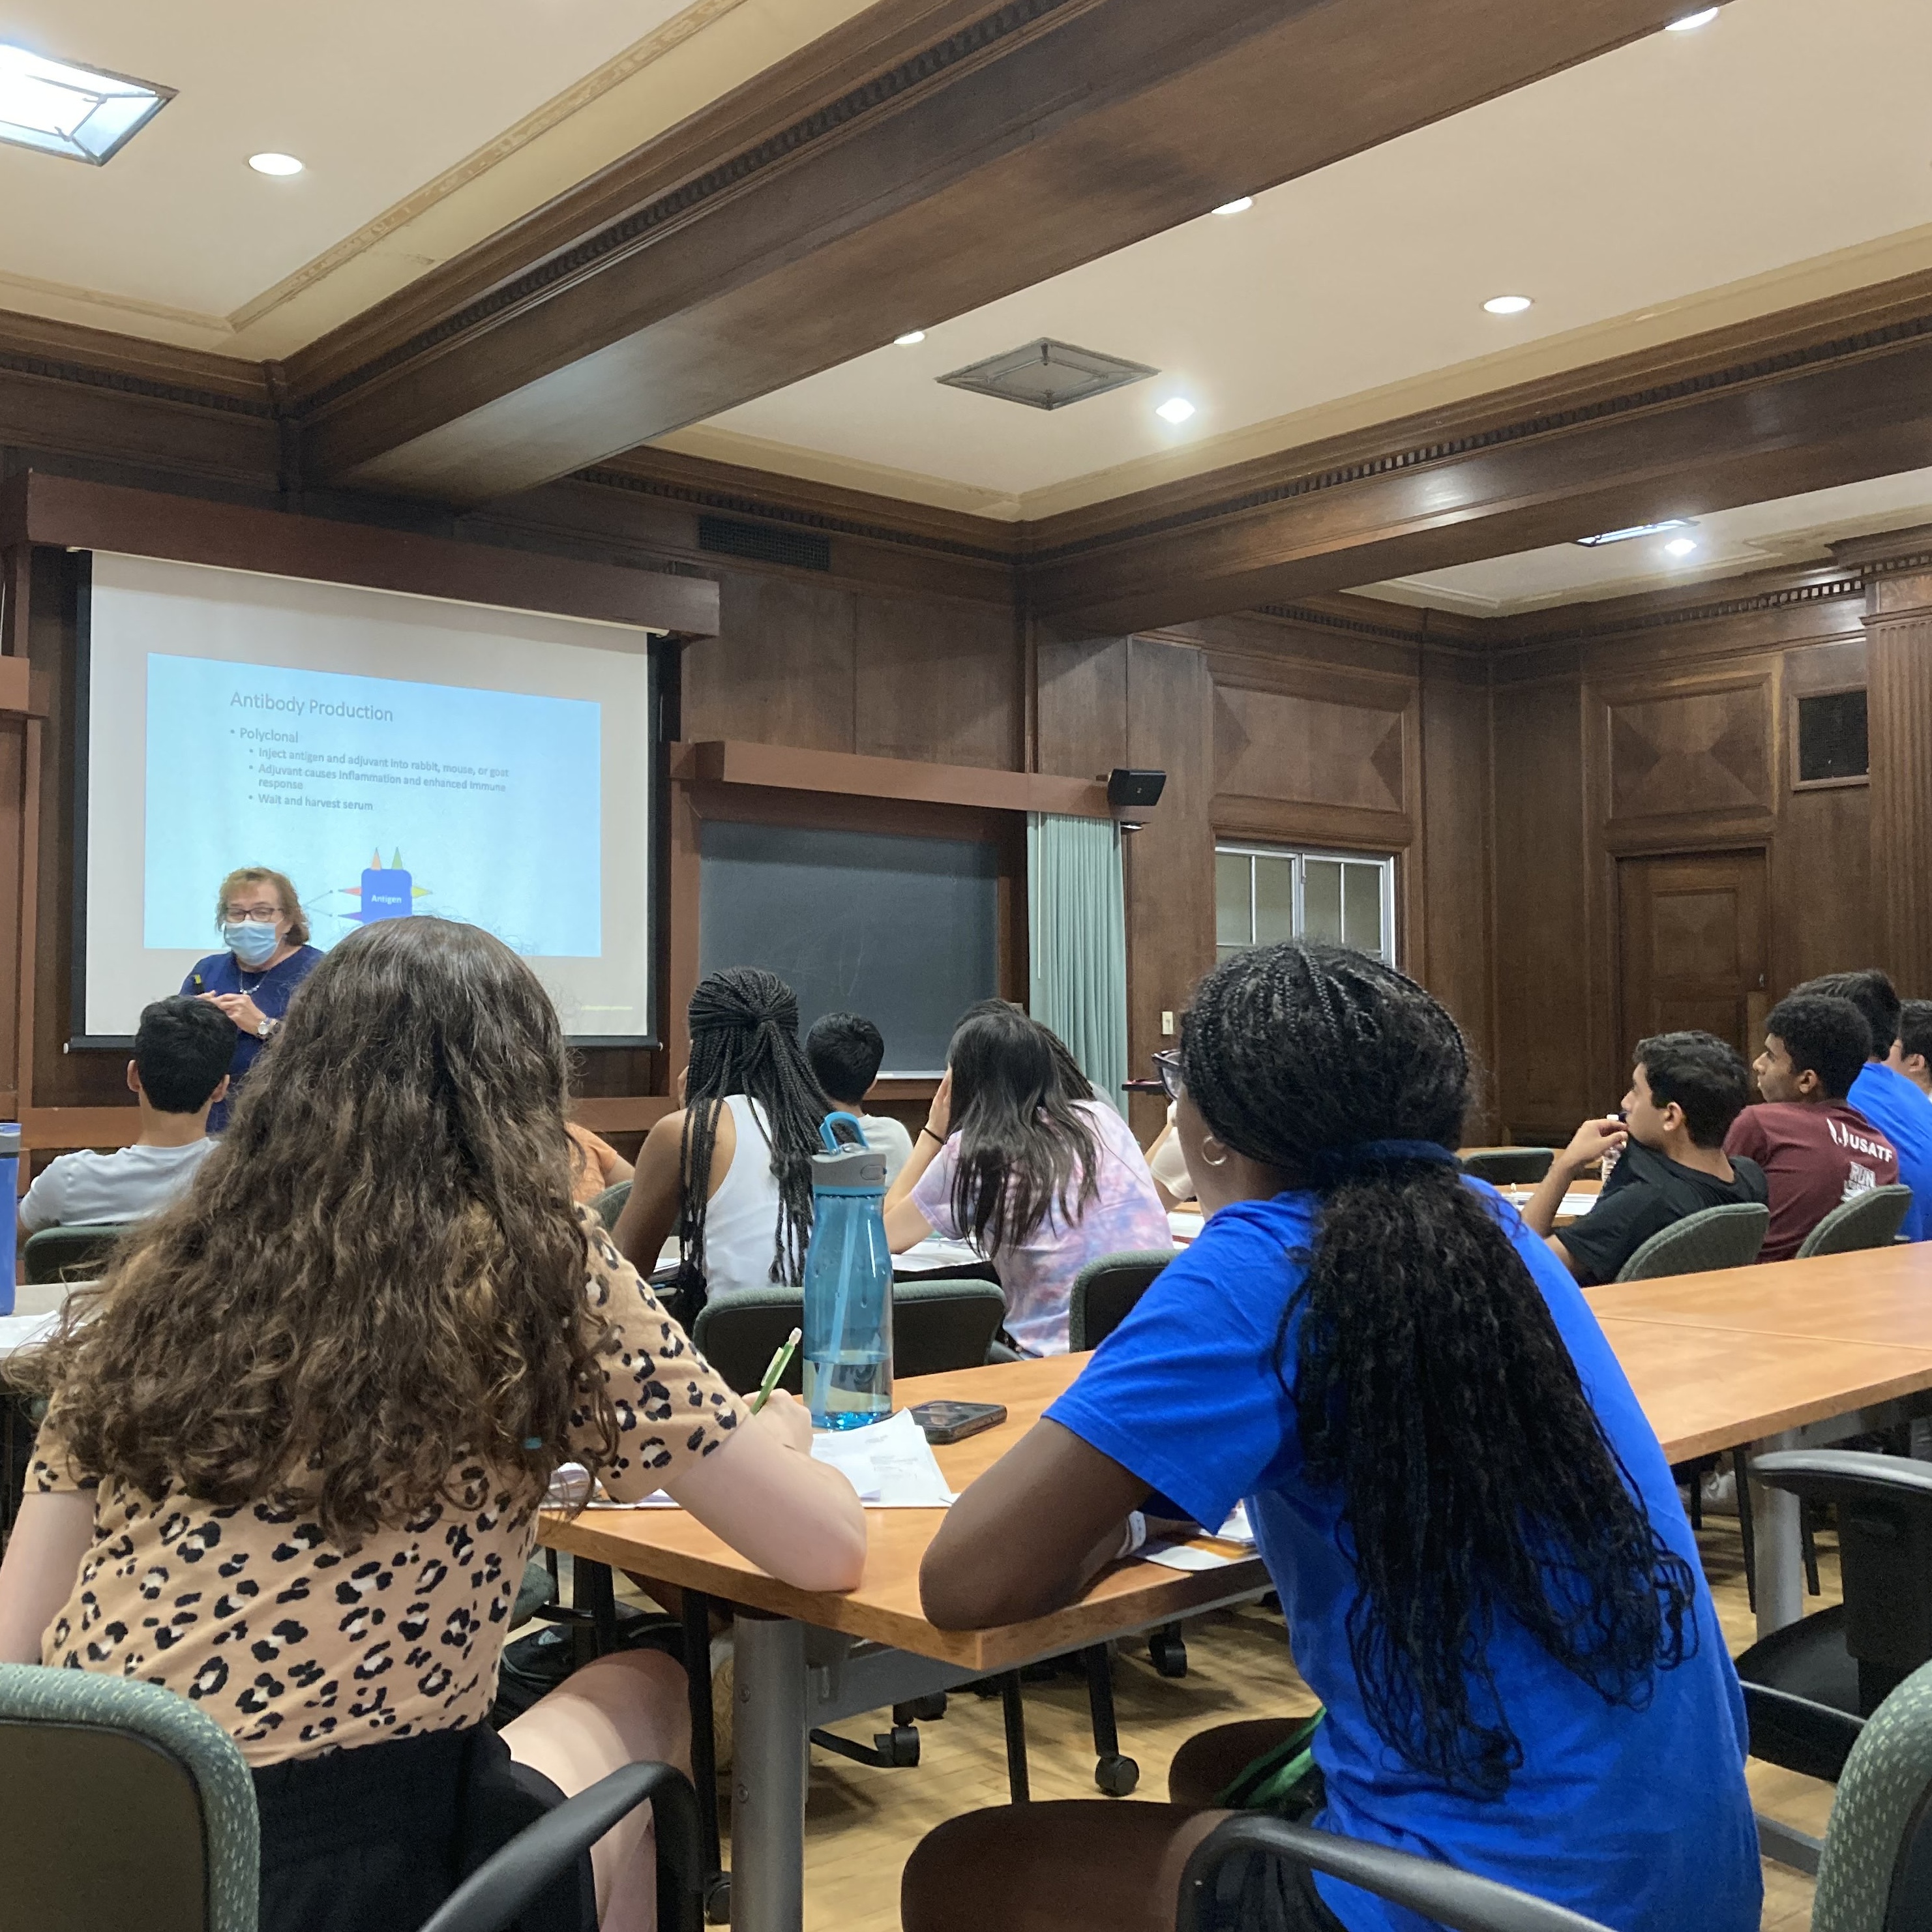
848,1284
10,1195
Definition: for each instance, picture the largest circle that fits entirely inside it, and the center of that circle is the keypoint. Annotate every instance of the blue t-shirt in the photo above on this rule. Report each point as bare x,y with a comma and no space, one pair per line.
271,992
1903,1115
1638,1818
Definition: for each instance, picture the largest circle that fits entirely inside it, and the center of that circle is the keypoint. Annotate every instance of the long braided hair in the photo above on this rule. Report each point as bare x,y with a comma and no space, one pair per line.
1026,1152
1431,1385
744,1040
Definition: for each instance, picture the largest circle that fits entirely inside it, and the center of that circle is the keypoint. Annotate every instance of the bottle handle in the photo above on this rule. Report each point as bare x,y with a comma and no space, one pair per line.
833,1144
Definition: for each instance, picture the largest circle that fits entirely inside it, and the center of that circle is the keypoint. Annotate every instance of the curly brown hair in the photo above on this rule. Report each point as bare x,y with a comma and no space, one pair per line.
378,1275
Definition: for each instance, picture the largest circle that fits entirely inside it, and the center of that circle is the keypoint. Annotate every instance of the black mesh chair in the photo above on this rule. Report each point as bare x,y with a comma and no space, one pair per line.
1439,1893
1508,1166
1871,1220
77,1747
76,1252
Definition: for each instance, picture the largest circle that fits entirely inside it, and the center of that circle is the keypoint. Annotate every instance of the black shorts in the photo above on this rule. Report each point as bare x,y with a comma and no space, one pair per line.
373,1839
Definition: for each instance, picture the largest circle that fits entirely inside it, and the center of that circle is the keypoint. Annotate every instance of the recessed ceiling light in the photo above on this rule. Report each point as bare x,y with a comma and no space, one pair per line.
912,338
1679,547
275,164
1656,529
1507,304
1239,206
75,112
1175,409
1691,22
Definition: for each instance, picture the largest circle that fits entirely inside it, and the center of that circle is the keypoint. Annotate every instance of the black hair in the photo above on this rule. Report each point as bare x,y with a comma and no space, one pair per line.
1702,1074
1431,1386
744,1040
1873,993
1025,1151
1074,1084
183,1047
1914,1028
843,1051
1825,1033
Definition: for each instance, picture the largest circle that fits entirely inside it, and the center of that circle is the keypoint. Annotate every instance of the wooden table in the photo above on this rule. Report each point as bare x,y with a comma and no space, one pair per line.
802,1660
1748,1358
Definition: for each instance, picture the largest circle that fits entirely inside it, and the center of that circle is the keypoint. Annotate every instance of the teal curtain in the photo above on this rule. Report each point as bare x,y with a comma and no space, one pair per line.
1077,933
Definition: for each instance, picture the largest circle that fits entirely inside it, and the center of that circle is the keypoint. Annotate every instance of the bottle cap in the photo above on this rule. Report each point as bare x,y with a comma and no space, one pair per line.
10,1139
852,1170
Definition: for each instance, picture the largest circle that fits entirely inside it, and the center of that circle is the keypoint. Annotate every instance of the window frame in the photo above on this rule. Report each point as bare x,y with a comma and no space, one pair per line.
1251,849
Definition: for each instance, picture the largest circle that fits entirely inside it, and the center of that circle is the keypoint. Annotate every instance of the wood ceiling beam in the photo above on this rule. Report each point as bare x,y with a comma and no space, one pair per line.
932,156
1837,392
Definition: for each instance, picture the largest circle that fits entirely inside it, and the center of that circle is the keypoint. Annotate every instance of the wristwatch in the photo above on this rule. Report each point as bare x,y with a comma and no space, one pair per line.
267,1027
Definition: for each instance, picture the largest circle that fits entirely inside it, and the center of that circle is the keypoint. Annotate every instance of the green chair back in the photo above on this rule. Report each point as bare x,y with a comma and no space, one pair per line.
1875,1873
937,1325
609,1204
1105,1292
112,1791
1871,1220
75,1253
1719,1237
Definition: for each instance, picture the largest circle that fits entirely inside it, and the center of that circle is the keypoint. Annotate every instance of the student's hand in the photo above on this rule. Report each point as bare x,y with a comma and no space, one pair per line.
1592,1142
787,1419
939,1115
242,1010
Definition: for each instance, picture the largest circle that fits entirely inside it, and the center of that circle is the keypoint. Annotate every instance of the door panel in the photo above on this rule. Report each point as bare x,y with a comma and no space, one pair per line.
1693,946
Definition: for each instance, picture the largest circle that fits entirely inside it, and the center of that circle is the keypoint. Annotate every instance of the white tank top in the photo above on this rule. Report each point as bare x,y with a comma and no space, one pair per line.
742,1220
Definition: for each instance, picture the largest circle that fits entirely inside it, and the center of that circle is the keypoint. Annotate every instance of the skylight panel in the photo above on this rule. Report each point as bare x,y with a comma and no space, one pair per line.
71,111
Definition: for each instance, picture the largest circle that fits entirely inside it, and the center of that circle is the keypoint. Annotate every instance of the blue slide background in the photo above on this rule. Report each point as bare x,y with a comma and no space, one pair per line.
492,799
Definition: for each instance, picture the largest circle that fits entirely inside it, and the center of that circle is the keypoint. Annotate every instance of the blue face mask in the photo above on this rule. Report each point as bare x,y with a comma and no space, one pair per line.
252,941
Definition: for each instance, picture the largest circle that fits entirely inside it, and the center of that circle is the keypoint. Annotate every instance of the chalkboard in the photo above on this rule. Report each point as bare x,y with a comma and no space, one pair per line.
904,930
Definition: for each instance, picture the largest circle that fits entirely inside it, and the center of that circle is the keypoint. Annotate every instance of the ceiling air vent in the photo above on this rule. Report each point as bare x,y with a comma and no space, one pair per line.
763,544
1047,375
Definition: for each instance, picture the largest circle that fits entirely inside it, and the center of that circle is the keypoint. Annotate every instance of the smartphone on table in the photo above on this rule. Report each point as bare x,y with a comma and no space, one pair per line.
954,1421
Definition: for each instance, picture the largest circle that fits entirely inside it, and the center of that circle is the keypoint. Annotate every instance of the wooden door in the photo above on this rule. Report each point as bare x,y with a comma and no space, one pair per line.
1694,949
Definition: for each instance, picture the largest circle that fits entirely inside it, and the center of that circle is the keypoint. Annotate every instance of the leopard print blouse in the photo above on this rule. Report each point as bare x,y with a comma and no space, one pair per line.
296,1646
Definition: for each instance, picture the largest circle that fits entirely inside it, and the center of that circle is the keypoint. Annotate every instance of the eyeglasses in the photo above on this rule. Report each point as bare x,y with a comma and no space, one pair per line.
263,912
1167,1065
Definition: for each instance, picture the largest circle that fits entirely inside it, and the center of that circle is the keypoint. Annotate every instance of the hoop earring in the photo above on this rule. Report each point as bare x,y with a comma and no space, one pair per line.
1212,1160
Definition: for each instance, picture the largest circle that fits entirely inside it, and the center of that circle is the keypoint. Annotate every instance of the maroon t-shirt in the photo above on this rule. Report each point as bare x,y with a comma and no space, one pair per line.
1814,1157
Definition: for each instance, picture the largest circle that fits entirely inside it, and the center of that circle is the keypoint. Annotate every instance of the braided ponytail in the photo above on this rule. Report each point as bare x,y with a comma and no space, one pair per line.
1431,1385
744,1040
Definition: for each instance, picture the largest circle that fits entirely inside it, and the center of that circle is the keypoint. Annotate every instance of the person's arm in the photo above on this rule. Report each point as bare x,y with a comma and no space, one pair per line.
906,1226
797,1519
1588,1145
650,1215
39,1206
1030,1535
51,1535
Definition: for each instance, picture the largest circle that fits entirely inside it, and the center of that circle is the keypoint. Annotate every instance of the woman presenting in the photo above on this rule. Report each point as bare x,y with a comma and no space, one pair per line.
267,957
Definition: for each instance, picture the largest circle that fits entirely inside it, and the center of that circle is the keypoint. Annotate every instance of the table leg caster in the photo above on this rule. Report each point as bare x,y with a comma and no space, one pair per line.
718,1899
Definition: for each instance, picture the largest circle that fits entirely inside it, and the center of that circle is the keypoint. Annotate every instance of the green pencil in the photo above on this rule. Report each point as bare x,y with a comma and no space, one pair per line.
780,1362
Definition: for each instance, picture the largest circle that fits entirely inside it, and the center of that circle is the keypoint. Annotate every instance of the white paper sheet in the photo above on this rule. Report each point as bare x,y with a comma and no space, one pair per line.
890,1463
1186,1227
25,1331
1185,1556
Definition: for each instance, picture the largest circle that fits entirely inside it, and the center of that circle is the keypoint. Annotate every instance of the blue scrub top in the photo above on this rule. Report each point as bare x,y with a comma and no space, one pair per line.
1638,1818
271,992
1903,1115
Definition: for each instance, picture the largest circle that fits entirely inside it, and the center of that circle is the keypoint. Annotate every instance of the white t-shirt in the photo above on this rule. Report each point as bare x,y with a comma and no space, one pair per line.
119,1186
892,1140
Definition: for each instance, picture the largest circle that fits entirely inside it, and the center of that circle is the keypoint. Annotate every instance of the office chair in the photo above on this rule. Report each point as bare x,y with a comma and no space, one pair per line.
1871,1220
1439,1893
74,1252
77,1747
609,1204
1512,1166
1875,1865
1718,1237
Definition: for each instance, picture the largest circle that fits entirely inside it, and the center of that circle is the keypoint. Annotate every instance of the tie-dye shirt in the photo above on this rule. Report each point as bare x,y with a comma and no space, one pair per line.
1126,1215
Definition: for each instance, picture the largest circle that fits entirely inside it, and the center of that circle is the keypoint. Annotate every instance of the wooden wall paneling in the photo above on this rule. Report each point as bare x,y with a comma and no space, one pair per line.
1706,750
1169,863
940,680
1543,997
782,669
1899,623
1081,704
1451,942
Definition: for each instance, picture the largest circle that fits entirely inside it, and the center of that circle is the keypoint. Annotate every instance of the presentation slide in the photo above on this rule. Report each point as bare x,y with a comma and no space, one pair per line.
396,757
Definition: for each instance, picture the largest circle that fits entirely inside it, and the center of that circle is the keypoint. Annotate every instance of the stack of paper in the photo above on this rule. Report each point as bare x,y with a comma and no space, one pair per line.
1186,1227
889,1463
25,1331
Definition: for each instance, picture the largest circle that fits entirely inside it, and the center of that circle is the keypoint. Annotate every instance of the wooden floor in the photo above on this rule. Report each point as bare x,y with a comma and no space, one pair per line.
861,1823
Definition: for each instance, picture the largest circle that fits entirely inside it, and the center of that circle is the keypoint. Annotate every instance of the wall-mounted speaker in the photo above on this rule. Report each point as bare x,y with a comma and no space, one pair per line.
1132,788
